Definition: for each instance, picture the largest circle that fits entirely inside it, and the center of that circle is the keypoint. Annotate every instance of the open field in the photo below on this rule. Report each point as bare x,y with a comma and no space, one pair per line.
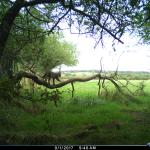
83,119
130,75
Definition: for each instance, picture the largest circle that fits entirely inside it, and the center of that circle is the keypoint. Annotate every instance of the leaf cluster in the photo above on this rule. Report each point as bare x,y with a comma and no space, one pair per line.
48,54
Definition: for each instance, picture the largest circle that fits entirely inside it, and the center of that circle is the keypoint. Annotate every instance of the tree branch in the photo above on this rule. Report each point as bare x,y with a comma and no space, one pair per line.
10,16
96,22
33,77
35,17
59,19
36,2
38,81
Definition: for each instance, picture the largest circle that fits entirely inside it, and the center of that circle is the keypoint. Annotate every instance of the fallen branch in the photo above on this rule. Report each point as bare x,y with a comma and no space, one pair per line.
39,81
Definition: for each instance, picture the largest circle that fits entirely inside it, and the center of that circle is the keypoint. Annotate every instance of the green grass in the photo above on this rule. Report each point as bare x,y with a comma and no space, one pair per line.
84,119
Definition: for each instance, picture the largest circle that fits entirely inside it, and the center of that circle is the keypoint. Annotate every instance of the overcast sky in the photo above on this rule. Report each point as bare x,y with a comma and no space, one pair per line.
129,56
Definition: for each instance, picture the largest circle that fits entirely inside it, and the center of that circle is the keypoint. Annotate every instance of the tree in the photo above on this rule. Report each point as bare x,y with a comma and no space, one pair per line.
142,22
23,34
9,18
96,18
92,16
57,52
45,55
24,22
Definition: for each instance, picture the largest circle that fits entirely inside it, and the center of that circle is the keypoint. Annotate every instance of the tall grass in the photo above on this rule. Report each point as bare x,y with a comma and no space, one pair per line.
84,119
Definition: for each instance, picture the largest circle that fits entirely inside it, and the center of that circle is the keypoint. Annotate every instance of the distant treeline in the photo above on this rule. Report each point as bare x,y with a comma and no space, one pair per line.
134,75
129,75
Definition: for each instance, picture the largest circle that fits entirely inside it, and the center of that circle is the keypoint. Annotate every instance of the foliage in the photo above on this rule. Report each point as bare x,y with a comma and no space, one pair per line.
29,56
28,21
141,21
48,54
25,47
93,17
33,21
7,89
56,52
85,119
23,36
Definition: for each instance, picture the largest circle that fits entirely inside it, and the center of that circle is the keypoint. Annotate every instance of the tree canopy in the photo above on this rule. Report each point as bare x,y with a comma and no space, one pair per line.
93,17
54,51
22,22
142,23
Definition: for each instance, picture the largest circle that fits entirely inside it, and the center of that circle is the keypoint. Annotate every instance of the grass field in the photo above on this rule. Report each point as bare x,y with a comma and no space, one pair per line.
83,119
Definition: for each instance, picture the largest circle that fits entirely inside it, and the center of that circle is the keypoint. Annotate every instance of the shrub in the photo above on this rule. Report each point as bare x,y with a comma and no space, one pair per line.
7,88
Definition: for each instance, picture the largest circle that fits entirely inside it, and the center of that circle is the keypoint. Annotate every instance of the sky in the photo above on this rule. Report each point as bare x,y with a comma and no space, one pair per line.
129,56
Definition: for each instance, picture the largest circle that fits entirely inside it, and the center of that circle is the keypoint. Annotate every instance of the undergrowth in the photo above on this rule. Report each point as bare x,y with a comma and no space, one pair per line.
84,119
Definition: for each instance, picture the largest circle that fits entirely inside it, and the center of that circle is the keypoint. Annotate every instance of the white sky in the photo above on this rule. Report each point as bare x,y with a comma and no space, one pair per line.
129,56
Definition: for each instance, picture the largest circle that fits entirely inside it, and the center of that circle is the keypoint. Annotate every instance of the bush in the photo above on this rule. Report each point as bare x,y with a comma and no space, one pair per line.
7,88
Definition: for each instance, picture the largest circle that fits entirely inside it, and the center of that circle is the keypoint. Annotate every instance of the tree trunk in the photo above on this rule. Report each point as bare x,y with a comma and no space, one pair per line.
7,22
6,25
11,14
5,28
7,63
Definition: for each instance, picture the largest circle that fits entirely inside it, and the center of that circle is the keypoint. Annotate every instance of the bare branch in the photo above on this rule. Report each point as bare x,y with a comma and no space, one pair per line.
20,75
72,89
96,22
33,77
36,2
59,19
37,18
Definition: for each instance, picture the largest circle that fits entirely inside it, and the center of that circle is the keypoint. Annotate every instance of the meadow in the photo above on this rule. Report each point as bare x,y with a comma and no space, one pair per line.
85,118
